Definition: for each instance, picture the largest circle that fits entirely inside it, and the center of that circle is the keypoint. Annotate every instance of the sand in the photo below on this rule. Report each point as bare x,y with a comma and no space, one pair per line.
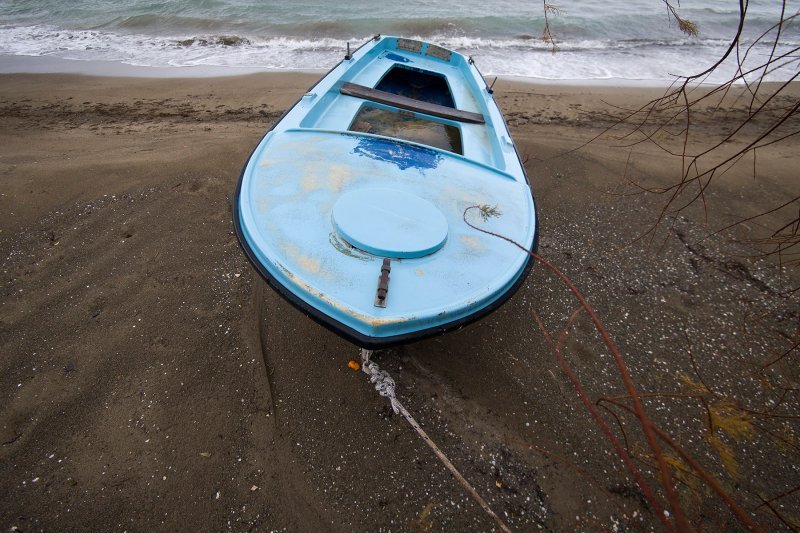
150,380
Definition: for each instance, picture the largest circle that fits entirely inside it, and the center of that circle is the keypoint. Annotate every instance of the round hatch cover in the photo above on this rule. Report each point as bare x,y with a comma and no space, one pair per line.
390,223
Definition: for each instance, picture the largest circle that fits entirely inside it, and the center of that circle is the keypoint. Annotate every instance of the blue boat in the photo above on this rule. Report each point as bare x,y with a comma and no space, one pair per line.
352,205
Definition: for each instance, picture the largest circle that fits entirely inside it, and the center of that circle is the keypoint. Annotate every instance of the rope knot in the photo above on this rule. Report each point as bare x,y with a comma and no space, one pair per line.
381,379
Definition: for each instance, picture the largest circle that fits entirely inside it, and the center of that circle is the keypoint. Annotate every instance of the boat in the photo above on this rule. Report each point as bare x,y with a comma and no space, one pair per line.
353,206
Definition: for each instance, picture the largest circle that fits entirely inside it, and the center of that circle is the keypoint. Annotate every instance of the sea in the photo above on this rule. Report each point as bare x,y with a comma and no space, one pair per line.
593,40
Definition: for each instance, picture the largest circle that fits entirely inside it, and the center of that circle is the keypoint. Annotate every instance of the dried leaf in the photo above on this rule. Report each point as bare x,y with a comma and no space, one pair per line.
488,211
732,420
682,471
726,456
694,386
424,521
688,27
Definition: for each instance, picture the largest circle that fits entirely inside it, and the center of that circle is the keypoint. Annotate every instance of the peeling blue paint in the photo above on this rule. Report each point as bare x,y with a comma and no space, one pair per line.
398,58
403,155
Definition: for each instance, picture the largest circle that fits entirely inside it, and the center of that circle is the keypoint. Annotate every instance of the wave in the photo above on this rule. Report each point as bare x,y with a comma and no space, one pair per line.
49,39
165,23
217,40
519,55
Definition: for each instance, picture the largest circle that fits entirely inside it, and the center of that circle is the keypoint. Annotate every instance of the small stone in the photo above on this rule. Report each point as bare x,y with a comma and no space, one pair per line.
253,488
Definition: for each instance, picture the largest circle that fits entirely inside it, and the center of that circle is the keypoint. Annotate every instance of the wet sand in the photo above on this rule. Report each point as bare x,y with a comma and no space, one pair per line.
150,380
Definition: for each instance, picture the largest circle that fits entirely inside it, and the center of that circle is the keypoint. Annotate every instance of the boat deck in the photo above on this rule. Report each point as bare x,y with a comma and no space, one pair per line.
300,175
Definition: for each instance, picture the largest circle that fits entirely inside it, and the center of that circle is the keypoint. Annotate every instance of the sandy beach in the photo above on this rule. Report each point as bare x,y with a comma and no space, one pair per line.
150,380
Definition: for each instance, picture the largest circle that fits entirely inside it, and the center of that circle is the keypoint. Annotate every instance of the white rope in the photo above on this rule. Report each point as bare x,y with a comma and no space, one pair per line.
385,386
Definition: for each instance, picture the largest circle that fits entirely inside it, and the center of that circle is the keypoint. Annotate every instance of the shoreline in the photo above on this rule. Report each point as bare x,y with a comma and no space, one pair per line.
150,379
116,69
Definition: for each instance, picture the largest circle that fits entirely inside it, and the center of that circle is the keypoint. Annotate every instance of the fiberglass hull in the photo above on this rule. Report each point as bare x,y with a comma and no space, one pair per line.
352,175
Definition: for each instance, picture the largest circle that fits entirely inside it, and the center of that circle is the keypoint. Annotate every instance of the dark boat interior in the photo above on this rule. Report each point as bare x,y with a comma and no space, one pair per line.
398,120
